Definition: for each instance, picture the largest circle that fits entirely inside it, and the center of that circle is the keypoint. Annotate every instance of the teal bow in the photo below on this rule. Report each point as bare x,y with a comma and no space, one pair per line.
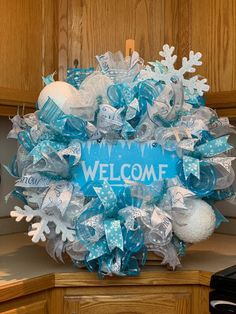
191,165
111,226
113,238
111,234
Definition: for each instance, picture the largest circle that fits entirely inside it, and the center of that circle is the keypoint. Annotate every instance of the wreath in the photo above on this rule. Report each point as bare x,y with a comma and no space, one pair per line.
122,160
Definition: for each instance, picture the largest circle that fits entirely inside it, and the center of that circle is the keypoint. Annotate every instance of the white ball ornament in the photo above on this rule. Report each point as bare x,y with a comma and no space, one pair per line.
82,102
198,225
62,93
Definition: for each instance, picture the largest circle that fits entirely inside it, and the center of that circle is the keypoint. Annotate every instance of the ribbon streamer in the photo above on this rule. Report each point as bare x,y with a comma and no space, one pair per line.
214,147
58,196
191,166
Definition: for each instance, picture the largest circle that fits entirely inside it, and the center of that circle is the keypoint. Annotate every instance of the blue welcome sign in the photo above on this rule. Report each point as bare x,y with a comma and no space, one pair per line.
124,160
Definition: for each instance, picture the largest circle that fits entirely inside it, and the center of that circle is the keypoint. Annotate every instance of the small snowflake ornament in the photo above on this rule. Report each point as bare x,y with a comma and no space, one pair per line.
164,70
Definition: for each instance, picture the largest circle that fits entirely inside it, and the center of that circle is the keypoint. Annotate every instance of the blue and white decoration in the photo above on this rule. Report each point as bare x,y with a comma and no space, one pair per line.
121,161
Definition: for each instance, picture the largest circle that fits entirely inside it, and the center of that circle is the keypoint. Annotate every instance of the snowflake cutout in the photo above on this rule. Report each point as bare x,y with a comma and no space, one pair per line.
164,70
41,228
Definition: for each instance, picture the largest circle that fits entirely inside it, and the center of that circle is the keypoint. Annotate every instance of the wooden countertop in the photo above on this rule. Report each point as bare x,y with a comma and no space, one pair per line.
26,268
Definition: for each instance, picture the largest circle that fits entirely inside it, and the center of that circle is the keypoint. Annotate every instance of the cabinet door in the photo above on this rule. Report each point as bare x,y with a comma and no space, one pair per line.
34,308
211,26
95,27
27,49
156,303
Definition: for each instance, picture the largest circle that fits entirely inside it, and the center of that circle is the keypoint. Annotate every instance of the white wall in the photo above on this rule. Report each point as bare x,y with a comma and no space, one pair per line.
7,151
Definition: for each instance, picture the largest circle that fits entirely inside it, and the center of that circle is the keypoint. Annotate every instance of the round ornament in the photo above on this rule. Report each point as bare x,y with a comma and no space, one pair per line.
62,93
198,225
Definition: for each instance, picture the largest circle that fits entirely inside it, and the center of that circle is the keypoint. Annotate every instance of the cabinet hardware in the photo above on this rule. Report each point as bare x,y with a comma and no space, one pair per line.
76,63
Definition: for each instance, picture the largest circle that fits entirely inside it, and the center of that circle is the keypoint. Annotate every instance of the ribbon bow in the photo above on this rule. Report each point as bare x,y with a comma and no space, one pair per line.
191,165
109,230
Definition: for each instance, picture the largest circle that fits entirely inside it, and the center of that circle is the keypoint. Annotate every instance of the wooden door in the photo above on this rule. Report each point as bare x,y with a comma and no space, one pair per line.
27,50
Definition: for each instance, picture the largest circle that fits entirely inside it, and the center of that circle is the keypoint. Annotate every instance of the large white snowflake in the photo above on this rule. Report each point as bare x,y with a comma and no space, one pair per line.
41,228
164,70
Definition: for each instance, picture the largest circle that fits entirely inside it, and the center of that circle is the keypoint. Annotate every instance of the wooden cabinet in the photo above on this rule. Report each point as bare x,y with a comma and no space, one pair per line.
89,28
213,32
33,308
117,298
92,27
35,303
41,36
210,27
168,299
27,50
153,303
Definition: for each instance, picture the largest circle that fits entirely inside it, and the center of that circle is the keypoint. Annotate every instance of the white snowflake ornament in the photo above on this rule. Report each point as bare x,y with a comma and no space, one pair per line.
164,70
41,229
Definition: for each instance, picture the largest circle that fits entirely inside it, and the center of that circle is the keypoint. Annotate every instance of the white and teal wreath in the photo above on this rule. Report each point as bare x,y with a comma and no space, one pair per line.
108,229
